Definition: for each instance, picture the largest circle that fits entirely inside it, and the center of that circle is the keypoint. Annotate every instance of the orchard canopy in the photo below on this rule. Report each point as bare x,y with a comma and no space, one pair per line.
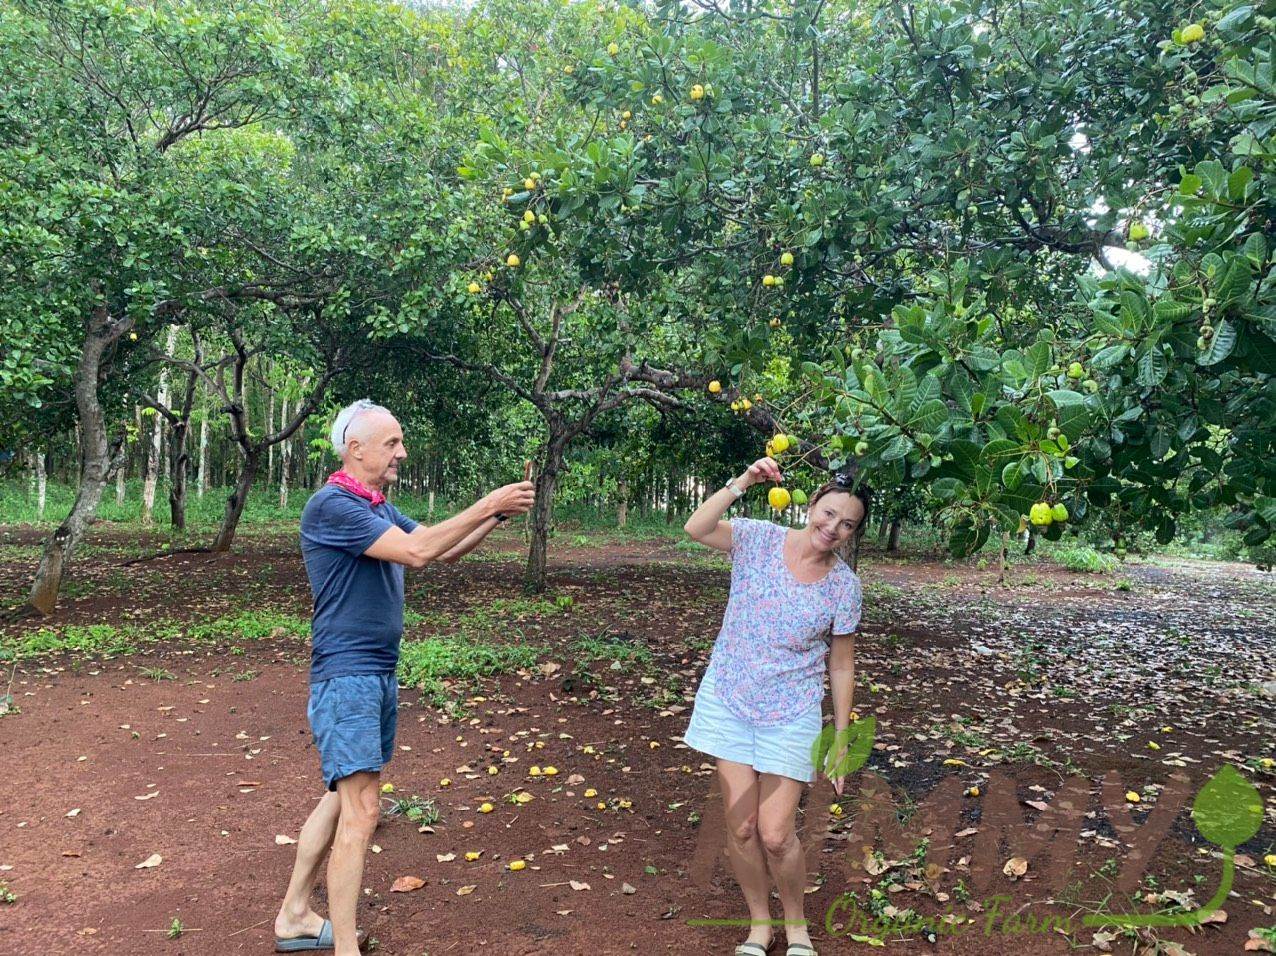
1003,254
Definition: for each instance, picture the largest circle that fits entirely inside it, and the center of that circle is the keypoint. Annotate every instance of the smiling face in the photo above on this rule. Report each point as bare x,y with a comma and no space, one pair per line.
833,519
374,448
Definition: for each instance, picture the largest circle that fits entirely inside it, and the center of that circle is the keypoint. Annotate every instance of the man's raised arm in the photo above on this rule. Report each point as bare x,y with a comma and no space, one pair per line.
431,542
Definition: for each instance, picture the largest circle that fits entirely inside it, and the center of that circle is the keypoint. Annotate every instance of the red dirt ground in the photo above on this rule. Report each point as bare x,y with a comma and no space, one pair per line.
226,764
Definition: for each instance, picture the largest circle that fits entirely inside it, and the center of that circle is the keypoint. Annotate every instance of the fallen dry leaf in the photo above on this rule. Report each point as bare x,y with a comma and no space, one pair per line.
466,890
1015,867
151,861
1257,944
445,857
406,884
578,886
283,840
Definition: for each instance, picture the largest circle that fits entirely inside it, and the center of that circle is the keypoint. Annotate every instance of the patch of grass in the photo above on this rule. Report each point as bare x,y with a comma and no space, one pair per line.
419,810
1087,560
104,639
243,676
611,647
108,640
962,735
7,896
881,591
158,674
175,929
427,664
662,696
250,626
690,544
700,644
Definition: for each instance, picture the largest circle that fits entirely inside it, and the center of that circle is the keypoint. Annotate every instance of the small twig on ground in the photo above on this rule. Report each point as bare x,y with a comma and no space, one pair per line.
247,928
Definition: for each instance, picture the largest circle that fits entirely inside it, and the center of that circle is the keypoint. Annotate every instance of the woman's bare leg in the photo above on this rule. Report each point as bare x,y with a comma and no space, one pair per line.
744,847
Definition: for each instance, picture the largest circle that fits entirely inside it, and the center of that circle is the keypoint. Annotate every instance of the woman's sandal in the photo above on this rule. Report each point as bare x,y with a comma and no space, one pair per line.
799,949
753,949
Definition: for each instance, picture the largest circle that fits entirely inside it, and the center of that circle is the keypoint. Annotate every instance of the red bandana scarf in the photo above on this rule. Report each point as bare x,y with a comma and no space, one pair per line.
356,487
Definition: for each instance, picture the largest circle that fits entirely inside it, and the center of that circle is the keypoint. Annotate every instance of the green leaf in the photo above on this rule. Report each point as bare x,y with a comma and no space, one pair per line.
1070,412
929,417
1111,356
896,448
1221,345
1168,310
967,539
1152,367
1228,810
854,744
1234,281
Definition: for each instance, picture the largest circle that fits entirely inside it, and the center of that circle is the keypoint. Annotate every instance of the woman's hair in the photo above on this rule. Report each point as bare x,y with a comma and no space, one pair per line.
846,481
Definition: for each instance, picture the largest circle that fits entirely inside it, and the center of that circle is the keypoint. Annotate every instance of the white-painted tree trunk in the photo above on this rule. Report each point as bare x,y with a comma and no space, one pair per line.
201,481
285,458
153,457
41,484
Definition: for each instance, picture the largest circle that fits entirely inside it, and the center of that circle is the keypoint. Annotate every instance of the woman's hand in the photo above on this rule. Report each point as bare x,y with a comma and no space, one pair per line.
835,764
764,469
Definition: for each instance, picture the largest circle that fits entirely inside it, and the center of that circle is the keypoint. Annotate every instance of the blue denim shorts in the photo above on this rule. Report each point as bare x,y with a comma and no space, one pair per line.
784,749
353,719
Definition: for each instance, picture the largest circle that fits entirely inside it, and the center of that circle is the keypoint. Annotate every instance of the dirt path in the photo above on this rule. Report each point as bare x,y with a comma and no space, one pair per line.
1066,674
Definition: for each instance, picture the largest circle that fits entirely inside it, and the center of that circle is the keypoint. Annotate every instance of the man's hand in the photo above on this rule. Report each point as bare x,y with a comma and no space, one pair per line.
515,499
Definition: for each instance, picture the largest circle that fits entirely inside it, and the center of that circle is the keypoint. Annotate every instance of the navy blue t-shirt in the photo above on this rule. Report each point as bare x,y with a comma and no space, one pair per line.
358,609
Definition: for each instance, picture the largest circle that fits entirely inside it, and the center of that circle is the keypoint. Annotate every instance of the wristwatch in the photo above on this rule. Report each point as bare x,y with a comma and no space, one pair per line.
732,487
501,518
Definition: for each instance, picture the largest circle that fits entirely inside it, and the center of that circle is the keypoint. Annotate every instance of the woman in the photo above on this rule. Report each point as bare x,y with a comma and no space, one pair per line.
758,709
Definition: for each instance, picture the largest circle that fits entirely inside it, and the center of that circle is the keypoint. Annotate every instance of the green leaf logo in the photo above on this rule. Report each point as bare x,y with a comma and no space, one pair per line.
850,747
1228,809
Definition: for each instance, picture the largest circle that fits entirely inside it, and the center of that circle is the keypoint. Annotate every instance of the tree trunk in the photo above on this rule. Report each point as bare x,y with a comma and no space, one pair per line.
153,465
201,480
120,475
883,526
285,459
541,516
1032,543
896,526
270,427
95,462
41,484
235,503
622,507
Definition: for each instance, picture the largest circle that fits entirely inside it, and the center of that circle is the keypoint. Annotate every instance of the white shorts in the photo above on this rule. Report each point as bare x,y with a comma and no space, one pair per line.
783,749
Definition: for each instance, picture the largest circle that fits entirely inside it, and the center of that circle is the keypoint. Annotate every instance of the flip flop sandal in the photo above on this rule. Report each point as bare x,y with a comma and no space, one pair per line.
751,949
799,949
298,944
302,944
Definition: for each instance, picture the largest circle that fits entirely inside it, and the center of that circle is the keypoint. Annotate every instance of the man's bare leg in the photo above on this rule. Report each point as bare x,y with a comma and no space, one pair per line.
360,810
296,918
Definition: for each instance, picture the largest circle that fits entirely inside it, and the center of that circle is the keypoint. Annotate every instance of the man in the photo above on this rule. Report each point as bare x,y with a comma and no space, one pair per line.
355,546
